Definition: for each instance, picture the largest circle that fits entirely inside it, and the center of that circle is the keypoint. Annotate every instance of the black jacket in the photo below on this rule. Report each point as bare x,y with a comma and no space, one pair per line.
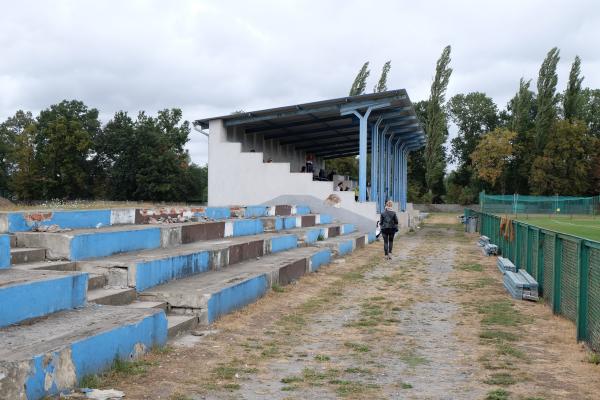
389,220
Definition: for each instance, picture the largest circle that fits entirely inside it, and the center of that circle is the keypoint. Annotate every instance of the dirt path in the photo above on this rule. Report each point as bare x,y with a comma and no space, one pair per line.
433,323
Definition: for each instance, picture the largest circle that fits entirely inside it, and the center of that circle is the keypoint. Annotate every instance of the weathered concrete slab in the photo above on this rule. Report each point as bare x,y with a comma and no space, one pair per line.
111,296
49,265
219,292
146,269
27,255
31,294
55,353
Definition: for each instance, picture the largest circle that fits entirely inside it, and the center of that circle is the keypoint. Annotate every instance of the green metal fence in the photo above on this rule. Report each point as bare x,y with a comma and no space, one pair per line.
566,267
520,204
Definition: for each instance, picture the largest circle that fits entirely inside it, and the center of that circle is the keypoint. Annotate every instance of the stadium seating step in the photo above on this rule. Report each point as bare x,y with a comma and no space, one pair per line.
54,353
26,255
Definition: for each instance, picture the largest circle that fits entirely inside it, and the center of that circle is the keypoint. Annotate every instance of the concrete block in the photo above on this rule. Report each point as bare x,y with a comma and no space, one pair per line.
144,275
204,231
26,255
302,210
282,243
4,251
347,229
283,210
245,227
308,221
170,236
318,259
122,216
325,218
55,353
236,296
293,271
30,294
73,219
111,297
345,247
181,323
257,211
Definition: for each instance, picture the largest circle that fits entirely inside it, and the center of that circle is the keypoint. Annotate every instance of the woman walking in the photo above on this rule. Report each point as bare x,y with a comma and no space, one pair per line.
389,227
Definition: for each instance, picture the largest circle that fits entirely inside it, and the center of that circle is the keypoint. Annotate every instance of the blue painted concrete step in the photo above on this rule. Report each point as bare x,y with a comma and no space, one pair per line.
346,244
30,294
55,353
216,293
84,244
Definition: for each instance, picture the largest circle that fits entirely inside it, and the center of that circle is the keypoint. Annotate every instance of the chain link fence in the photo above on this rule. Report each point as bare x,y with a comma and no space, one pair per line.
566,267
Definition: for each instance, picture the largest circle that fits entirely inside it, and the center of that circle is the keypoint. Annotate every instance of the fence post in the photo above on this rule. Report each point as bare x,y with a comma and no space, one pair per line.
528,250
557,273
540,260
582,300
517,247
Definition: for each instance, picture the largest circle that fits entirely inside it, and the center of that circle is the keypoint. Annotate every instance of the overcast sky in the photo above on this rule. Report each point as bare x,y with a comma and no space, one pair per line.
213,57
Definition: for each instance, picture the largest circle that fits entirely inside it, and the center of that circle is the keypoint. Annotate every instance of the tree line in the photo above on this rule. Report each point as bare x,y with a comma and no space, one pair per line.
66,153
543,142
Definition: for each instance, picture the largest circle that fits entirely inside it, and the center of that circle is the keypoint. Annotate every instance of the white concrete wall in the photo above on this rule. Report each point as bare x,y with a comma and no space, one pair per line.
242,178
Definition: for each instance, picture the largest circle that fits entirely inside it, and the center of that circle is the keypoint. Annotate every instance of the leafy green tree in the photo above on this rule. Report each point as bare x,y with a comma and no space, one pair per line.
437,128
198,183
417,185
382,84
64,153
572,100
360,82
343,166
493,155
590,110
564,166
146,158
546,98
474,114
10,132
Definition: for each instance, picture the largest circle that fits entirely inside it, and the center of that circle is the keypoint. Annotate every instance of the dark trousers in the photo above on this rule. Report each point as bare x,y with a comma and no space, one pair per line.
388,240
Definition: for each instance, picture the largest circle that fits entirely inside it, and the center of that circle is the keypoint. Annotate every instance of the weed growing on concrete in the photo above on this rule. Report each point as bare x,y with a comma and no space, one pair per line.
320,238
92,381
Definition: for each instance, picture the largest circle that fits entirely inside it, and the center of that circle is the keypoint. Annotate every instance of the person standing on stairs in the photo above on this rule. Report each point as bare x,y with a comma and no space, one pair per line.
389,226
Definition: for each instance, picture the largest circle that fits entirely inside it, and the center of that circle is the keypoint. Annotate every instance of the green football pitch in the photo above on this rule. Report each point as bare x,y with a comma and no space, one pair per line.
582,226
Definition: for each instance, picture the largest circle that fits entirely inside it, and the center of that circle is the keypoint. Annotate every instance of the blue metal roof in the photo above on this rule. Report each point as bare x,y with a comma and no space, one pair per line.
328,128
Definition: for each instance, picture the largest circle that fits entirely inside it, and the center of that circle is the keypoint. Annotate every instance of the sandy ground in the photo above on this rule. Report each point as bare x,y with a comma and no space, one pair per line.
432,323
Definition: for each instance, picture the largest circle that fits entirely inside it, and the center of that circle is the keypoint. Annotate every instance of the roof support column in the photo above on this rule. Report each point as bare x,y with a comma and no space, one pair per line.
362,154
404,178
381,175
375,153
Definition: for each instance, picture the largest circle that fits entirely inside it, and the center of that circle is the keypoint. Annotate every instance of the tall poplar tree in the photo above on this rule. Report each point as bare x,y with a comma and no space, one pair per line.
360,82
572,100
436,128
382,84
546,99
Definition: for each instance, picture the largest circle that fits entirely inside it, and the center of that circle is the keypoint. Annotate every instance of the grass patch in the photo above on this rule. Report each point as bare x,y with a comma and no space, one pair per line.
292,379
277,288
358,347
498,335
348,388
119,368
471,267
225,372
357,370
406,385
498,394
500,312
593,358
506,349
412,359
322,358
501,379
91,381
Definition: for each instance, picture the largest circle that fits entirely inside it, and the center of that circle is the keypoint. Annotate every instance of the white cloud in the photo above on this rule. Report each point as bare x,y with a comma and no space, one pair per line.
213,57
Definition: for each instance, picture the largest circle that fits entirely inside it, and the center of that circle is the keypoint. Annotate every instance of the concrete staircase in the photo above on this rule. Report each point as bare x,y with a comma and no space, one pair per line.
75,297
